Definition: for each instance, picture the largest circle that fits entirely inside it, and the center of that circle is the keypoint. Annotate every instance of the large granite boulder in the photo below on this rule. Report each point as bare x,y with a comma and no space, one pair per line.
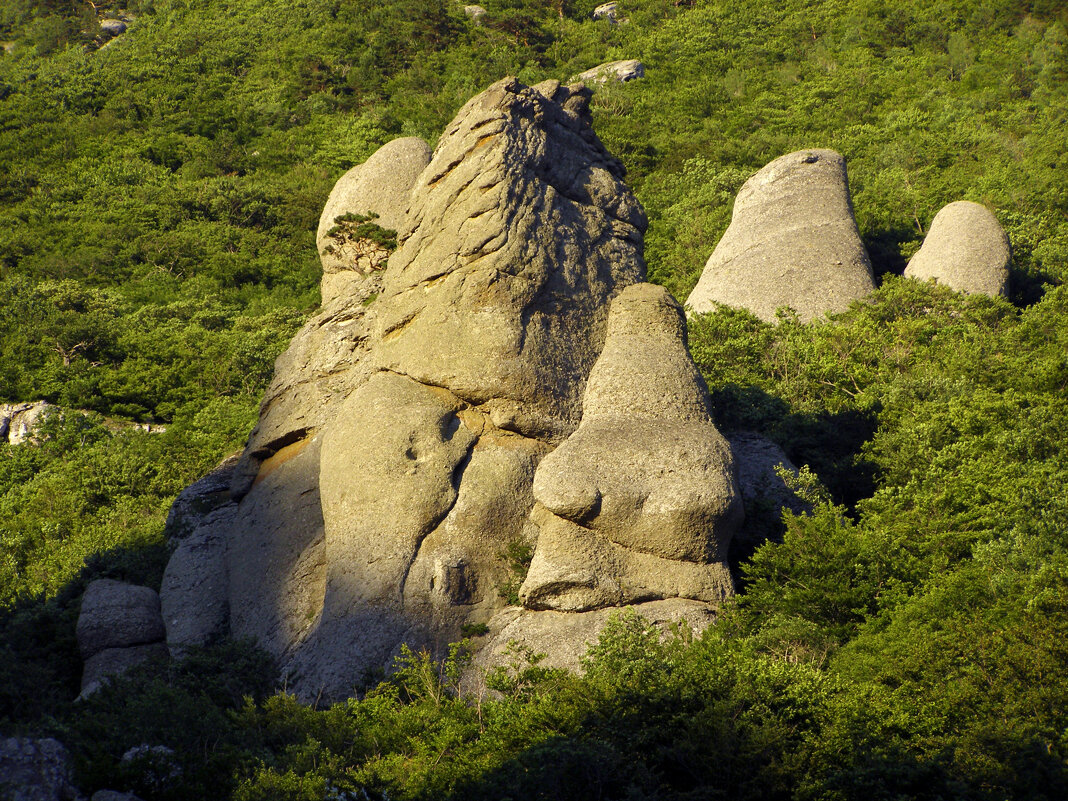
640,503
119,627
792,241
36,770
966,249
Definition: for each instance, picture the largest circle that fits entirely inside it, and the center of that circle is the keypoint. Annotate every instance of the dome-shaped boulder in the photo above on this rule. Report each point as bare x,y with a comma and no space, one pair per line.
966,249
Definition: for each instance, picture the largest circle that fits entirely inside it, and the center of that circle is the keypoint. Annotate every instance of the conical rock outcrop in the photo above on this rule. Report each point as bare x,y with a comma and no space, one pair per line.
966,249
792,242
640,503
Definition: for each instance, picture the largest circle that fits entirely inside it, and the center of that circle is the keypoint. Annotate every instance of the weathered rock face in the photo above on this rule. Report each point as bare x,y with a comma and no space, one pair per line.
119,626
19,421
966,249
641,501
792,242
325,361
629,69
520,230
408,438
36,770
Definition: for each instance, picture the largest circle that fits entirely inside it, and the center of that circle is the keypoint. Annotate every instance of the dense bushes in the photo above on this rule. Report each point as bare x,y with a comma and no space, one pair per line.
157,205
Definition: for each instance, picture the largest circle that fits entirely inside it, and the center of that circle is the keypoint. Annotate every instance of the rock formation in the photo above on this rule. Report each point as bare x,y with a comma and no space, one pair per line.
119,627
379,189
792,241
966,249
641,501
433,416
20,421
475,13
627,70
36,770
607,11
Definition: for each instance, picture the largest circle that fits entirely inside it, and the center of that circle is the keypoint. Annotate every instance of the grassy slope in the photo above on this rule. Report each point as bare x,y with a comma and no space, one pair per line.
157,206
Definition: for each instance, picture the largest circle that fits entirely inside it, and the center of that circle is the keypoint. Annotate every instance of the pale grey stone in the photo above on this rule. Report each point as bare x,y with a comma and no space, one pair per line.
966,249
629,69
641,501
792,242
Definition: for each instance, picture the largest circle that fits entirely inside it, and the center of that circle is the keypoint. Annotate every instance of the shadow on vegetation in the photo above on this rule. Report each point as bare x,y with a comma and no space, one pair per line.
693,745
40,667
829,443
884,248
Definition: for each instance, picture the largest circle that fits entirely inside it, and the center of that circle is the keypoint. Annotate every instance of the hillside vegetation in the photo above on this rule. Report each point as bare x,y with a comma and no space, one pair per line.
158,199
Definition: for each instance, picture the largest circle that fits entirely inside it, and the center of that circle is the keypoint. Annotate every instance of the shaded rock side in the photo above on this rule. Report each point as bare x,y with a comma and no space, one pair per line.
764,492
200,499
966,249
119,627
36,770
117,615
641,502
194,594
792,241
521,230
275,558
380,186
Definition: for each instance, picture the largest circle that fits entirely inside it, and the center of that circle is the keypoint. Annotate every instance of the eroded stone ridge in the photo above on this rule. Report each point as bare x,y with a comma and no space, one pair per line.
792,242
966,249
